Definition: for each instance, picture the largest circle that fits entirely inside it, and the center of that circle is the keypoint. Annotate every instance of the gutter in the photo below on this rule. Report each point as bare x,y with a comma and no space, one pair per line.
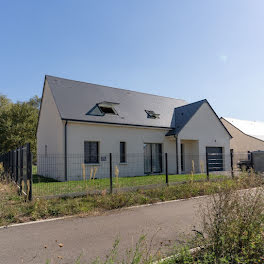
113,123
65,151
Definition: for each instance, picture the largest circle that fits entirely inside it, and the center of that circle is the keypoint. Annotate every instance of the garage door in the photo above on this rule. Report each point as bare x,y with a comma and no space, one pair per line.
215,158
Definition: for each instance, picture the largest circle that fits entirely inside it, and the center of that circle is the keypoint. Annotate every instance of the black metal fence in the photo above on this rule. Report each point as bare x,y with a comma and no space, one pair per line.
17,167
52,177
112,173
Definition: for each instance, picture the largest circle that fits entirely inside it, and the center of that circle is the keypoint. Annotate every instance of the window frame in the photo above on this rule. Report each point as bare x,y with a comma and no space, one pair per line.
87,161
123,154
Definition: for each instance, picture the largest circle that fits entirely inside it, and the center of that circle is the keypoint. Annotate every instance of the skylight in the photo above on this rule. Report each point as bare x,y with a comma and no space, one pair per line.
107,110
151,114
103,108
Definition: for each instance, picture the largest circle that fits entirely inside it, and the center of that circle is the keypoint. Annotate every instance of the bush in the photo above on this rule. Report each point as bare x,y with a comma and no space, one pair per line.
232,229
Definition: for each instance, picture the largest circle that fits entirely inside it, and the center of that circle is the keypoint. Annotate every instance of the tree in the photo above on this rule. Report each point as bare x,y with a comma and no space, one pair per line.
18,124
4,102
35,101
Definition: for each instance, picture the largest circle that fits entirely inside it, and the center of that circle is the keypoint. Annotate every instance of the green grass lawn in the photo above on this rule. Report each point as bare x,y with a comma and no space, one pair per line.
34,169
46,187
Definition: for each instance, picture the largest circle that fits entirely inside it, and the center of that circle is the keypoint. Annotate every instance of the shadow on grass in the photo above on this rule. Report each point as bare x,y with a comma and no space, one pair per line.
38,178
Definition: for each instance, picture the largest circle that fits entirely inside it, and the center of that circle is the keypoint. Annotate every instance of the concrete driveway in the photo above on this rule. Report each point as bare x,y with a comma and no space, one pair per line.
94,236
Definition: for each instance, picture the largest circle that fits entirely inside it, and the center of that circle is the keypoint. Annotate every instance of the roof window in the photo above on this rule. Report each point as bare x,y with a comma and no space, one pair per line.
107,110
151,114
103,108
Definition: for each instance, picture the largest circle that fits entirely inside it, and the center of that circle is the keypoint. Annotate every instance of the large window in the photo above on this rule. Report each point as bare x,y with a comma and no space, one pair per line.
123,152
91,152
152,158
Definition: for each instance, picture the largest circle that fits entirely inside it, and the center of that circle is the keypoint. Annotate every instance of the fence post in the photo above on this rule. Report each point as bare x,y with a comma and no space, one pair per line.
29,172
16,167
111,173
232,162
166,169
207,167
21,170
8,167
11,165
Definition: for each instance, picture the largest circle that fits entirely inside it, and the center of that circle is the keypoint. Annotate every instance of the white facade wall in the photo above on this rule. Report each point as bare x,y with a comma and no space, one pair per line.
205,127
50,135
109,138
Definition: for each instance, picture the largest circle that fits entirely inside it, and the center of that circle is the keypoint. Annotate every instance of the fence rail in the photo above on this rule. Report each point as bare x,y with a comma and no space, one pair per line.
17,167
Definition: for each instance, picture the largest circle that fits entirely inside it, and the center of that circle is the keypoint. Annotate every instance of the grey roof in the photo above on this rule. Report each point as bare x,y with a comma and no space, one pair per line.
183,114
74,99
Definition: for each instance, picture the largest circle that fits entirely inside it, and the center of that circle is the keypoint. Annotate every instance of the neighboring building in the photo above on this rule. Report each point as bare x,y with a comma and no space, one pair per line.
81,123
247,136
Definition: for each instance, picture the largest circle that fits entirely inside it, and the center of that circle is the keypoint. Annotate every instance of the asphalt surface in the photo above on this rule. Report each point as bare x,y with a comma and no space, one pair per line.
62,241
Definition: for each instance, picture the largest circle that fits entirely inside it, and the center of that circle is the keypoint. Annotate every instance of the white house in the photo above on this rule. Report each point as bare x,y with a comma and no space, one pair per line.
80,124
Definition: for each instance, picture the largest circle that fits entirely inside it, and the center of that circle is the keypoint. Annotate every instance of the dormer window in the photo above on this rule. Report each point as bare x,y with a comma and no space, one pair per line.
151,114
103,108
107,110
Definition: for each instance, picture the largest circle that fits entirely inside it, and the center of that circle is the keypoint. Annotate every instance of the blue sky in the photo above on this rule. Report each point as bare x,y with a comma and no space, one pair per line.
183,49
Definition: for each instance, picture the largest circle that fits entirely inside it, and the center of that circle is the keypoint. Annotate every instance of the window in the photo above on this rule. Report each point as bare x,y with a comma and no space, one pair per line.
100,109
152,158
91,152
122,152
152,114
107,110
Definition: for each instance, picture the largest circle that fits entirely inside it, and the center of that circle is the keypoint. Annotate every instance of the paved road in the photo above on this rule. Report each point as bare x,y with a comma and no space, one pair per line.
94,235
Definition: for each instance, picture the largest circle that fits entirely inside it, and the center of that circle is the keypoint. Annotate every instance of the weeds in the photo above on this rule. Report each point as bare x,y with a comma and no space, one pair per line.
232,228
13,209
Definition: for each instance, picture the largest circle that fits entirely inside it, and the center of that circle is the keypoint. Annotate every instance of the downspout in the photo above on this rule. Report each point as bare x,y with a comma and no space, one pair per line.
65,151
177,155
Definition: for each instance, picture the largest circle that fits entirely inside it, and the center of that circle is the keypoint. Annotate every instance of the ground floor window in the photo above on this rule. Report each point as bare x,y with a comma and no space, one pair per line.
91,152
122,152
152,158
215,158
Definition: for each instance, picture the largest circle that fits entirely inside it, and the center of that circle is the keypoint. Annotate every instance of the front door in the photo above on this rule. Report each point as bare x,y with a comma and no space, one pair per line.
215,158
152,158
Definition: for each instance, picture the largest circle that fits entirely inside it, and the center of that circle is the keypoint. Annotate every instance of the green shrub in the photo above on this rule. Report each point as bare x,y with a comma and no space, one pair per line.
232,229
